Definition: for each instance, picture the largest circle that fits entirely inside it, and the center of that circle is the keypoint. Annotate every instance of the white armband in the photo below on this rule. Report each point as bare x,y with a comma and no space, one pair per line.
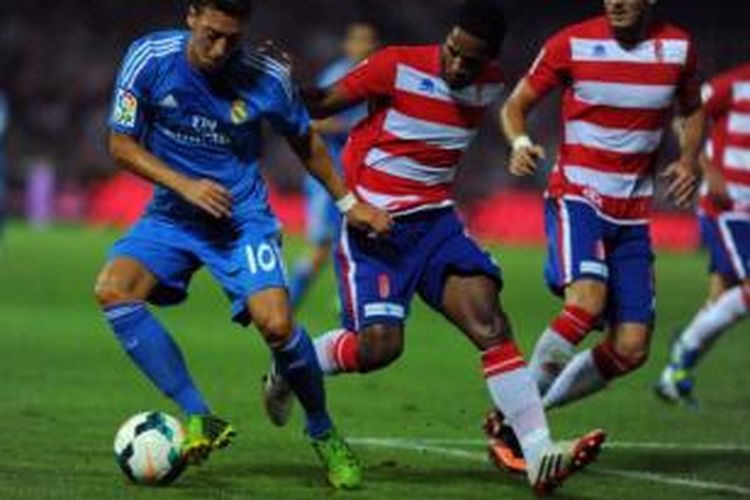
346,203
523,141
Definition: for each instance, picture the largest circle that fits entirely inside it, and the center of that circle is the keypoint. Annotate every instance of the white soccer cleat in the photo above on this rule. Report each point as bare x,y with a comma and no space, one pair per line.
562,459
278,398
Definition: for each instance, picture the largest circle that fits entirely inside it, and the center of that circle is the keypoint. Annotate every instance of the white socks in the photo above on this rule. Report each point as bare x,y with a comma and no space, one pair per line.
515,395
714,319
551,353
580,378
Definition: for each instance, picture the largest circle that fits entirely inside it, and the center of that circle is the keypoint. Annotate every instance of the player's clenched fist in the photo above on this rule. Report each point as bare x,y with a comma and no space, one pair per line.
209,196
525,157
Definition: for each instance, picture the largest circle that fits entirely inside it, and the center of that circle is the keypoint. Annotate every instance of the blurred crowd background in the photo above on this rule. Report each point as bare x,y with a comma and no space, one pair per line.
58,62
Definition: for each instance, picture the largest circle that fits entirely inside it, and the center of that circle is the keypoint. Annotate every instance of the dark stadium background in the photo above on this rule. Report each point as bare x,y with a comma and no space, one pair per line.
58,61
65,384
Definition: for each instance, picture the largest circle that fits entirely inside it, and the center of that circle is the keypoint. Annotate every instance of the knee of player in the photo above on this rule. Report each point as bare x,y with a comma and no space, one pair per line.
108,294
276,329
632,356
379,346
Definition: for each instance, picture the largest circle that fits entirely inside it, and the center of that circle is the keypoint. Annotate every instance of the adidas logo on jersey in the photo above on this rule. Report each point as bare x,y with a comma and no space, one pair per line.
169,102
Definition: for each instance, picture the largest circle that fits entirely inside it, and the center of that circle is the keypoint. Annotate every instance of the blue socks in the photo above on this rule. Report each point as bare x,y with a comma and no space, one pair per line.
151,347
297,363
300,282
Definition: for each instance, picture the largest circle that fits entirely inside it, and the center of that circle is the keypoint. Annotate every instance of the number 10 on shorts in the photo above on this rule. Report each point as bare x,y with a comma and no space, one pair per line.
265,257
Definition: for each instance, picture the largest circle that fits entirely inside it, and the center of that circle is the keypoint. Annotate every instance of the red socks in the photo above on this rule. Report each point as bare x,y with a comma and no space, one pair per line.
574,324
502,358
344,352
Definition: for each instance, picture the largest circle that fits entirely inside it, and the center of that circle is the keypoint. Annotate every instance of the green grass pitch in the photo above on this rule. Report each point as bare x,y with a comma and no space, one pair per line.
65,386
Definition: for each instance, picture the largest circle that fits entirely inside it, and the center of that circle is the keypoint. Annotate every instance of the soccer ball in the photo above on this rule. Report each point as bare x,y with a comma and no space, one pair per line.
148,448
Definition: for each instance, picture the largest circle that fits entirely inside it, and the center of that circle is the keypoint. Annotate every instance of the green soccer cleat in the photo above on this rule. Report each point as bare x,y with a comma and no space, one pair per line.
205,433
343,469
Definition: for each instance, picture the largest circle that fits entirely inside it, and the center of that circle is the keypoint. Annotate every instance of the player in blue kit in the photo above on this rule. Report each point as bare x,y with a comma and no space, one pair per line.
323,218
187,115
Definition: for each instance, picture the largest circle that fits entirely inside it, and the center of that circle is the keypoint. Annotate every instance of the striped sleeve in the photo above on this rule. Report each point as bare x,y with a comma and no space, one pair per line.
287,113
717,95
134,80
551,67
373,77
689,87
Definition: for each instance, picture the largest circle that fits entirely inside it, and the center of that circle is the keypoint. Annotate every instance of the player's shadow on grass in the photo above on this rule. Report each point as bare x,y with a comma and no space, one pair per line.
233,479
488,477
676,462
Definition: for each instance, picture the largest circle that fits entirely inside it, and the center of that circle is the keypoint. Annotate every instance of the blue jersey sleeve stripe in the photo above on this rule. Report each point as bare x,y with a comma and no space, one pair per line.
273,63
281,76
139,52
267,66
153,55
136,65
141,48
137,57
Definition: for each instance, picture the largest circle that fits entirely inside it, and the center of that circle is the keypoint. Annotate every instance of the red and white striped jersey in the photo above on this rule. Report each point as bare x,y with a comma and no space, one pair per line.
403,156
726,100
615,105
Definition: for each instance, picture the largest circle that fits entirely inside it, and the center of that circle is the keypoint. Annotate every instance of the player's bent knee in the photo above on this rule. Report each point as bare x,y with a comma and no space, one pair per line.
632,358
107,294
276,329
379,346
616,361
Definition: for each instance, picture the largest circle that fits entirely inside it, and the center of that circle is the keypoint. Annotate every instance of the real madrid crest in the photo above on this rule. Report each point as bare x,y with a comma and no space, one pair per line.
238,112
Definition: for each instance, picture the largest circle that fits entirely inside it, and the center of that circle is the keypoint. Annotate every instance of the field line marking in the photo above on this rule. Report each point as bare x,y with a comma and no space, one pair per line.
424,446
673,481
410,445
623,445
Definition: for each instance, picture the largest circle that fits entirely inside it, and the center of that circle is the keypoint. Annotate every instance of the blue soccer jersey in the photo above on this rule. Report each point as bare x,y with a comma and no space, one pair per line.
204,125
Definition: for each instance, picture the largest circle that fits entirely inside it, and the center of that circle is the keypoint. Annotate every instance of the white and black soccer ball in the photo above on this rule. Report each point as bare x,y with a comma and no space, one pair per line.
148,448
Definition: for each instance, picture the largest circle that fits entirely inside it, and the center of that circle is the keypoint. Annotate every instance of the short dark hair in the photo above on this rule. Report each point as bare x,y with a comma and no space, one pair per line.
484,19
235,8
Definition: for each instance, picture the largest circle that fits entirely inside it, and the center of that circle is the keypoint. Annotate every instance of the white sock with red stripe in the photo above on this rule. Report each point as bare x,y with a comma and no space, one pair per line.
580,378
514,393
588,372
337,352
557,345
716,318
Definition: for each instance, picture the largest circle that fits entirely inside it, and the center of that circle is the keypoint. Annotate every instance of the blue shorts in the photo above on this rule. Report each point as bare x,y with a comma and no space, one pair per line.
323,217
378,278
582,244
244,259
727,238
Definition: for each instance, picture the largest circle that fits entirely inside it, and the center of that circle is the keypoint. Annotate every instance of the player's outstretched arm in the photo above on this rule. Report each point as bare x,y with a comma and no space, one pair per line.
326,102
203,193
525,154
312,151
